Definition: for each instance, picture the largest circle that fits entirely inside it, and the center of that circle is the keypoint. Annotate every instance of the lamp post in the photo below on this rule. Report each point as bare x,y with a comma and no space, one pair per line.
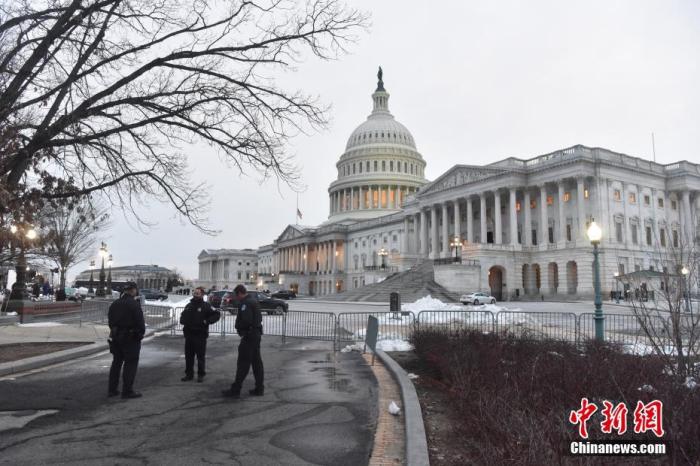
23,233
101,288
456,243
594,235
617,293
109,275
684,287
383,253
91,284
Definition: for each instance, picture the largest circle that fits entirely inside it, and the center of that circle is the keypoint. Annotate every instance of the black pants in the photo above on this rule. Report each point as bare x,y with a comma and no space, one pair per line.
195,345
125,352
249,355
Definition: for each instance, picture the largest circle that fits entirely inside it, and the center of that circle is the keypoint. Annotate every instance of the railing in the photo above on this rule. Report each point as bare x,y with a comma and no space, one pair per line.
637,334
448,260
380,268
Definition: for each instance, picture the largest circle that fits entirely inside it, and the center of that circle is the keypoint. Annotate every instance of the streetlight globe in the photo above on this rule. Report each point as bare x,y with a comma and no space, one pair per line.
31,234
685,270
594,232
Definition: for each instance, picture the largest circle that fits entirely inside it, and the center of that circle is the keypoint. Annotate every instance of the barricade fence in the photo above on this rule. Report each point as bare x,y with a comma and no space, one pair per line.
636,332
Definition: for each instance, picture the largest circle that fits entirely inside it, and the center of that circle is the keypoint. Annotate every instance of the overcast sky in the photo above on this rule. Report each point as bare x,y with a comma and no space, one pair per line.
474,82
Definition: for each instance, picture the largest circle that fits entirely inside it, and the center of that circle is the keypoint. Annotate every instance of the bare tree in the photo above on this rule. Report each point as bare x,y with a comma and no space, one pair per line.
661,300
106,95
70,233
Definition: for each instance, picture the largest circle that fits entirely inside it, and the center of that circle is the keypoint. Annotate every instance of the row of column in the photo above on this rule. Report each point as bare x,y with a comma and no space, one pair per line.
423,237
296,258
369,197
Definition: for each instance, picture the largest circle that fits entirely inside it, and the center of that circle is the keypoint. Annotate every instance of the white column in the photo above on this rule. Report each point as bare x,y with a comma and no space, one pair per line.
562,216
416,234
527,223
470,220
306,258
482,218
333,261
544,237
396,197
497,217
457,219
513,209
581,207
404,237
362,198
686,219
423,233
445,232
434,232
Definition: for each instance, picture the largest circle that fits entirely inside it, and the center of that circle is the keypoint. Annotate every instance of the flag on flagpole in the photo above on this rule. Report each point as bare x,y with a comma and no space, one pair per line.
299,213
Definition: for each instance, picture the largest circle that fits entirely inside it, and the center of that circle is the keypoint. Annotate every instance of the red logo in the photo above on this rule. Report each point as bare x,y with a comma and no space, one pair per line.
647,417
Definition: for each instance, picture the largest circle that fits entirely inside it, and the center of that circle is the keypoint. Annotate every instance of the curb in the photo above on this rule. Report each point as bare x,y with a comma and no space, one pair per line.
416,441
35,362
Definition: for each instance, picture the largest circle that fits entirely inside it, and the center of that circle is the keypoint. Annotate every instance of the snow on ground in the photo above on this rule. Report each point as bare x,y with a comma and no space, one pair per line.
41,324
428,303
394,345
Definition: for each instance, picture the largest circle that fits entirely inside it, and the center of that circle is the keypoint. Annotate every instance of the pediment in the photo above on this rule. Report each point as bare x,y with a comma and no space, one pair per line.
289,233
461,175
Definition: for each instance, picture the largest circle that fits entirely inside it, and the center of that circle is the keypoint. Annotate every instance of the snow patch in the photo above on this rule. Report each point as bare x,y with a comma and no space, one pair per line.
359,347
691,383
412,376
646,388
394,345
41,324
428,303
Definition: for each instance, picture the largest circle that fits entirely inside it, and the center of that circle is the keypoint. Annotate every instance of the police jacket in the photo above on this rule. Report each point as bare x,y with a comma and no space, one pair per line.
126,317
197,317
249,317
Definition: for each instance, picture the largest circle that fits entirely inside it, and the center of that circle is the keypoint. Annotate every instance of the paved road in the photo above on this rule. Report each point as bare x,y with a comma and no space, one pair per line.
319,408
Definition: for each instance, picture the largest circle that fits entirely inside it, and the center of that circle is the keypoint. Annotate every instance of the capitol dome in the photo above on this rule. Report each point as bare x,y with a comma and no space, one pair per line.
379,168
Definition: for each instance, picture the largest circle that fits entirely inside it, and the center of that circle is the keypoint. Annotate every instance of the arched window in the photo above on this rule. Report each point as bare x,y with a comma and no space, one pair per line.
367,167
391,166
383,165
375,166
405,167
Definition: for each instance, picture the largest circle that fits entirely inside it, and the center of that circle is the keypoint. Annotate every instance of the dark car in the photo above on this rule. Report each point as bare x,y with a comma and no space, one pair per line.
215,298
284,294
153,295
268,304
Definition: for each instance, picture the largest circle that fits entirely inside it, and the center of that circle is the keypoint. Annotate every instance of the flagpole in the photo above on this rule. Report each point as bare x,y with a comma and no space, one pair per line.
296,214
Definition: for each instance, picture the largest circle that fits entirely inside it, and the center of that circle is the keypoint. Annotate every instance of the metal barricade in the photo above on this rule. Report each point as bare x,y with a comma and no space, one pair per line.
561,326
352,326
305,324
628,330
455,321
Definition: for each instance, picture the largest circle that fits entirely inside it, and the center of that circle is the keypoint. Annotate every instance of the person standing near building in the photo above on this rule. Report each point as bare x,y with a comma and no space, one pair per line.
126,330
249,327
196,318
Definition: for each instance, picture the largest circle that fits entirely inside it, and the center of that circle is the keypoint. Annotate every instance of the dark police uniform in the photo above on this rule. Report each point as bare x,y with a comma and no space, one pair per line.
127,329
249,327
196,318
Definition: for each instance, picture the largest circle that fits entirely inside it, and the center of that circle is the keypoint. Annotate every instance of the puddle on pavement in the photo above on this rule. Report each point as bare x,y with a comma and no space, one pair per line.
18,419
336,380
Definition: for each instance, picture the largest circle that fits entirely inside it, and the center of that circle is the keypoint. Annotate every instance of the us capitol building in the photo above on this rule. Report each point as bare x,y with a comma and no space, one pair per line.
516,226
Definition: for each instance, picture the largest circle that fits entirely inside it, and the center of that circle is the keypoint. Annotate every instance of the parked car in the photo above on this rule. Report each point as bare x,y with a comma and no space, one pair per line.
215,297
477,298
284,294
267,303
153,295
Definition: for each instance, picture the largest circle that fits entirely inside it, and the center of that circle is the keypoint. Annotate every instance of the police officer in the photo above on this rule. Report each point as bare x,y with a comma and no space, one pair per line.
127,329
196,318
249,327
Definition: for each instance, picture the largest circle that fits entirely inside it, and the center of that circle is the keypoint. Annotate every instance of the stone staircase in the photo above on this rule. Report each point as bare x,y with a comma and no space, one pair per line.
413,284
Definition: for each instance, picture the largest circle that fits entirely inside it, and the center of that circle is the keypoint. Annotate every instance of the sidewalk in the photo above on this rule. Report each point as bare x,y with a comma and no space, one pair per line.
94,337
49,332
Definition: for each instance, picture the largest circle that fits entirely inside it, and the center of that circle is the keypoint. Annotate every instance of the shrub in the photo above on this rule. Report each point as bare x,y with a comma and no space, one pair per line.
512,396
